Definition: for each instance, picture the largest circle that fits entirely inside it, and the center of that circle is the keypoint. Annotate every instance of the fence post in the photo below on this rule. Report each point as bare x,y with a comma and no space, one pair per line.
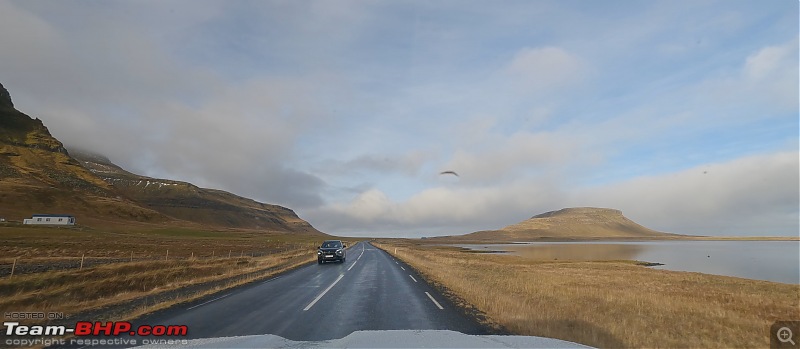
167,256
131,256
212,254
192,257
242,254
82,257
13,266
229,253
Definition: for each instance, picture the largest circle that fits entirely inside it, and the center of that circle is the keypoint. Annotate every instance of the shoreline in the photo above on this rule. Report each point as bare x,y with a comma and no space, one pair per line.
438,240
606,303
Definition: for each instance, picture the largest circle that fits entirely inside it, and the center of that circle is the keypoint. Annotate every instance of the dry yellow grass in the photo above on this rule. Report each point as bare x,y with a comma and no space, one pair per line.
609,304
74,291
195,257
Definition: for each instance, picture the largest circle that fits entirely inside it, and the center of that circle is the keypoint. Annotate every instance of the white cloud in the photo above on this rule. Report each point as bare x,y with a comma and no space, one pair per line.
306,103
448,209
544,69
768,78
503,157
753,195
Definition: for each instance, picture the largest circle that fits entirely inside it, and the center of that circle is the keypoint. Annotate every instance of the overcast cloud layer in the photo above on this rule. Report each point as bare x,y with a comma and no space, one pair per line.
682,114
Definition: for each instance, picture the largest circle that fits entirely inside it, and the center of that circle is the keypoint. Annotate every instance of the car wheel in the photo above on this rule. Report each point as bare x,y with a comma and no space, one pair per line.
319,261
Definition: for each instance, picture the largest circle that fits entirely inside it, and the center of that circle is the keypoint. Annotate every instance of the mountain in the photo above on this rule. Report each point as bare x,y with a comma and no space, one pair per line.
572,224
189,202
39,175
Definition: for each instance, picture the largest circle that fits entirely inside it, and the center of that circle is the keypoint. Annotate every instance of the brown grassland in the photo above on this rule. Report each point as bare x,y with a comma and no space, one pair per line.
195,257
609,304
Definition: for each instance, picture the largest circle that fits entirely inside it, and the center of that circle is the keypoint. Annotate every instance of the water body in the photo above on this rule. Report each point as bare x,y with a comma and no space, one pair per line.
777,261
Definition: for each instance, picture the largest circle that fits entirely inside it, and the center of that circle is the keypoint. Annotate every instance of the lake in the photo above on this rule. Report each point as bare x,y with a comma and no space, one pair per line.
777,261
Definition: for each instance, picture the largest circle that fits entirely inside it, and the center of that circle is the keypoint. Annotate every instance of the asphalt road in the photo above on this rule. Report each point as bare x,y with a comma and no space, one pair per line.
371,291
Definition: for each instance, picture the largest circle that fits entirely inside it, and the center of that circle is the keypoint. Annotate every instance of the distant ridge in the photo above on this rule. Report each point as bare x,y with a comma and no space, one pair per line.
572,224
189,202
39,175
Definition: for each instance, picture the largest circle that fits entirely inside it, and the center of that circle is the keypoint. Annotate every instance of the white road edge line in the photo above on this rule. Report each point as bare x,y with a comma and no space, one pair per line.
323,293
275,278
412,278
434,301
215,299
352,265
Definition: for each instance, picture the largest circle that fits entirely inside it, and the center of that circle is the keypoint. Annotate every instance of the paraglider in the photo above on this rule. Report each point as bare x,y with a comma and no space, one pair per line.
449,172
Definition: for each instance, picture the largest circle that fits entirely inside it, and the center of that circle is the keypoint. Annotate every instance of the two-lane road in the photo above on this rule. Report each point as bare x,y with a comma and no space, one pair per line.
371,291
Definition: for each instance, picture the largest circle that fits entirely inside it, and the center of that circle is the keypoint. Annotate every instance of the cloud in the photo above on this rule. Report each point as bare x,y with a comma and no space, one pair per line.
536,70
447,209
127,95
767,79
348,112
522,153
752,195
407,164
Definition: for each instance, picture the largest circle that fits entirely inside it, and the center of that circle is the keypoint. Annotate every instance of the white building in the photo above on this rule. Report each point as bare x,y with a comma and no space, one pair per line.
50,219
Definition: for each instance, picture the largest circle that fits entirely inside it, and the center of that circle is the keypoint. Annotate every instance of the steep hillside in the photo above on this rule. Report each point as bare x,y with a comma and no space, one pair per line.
189,202
572,223
38,175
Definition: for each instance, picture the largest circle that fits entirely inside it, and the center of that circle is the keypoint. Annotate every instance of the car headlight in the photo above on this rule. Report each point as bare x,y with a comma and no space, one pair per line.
319,252
339,252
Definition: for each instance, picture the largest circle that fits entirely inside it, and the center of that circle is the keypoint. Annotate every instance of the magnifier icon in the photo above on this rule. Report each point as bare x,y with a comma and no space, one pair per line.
785,335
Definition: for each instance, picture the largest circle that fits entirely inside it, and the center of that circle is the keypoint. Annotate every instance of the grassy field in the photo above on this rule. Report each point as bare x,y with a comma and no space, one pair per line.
611,304
31,242
138,264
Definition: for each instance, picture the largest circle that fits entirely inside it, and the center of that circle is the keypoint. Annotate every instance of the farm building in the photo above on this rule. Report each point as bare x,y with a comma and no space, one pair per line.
50,219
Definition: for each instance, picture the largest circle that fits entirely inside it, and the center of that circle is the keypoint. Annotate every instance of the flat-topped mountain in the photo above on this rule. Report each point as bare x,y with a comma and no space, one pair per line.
572,223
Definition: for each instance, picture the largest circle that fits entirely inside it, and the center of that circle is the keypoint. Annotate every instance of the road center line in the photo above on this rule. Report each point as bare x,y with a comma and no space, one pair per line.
412,278
326,291
352,265
215,299
434,301
402,268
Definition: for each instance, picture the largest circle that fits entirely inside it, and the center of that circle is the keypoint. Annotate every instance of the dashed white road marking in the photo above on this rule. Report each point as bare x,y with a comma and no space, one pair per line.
352,265
402,268
215,299
434,301
412,278
326,291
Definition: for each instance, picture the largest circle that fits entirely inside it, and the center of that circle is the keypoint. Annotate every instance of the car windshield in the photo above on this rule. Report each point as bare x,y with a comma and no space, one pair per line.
332,244
609,173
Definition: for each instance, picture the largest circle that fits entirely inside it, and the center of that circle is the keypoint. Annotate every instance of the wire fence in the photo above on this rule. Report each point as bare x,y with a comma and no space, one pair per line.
10,267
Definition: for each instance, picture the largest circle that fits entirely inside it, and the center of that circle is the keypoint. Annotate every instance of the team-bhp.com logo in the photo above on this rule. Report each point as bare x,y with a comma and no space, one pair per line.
84,329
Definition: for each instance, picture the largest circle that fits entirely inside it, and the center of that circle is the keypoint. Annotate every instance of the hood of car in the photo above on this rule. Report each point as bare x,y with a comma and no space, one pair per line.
379,339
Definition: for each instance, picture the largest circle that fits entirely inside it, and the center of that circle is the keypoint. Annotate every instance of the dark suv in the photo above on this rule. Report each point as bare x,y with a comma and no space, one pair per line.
331,251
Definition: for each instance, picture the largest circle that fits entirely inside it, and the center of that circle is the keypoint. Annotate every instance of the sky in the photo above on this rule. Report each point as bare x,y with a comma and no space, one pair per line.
682,114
